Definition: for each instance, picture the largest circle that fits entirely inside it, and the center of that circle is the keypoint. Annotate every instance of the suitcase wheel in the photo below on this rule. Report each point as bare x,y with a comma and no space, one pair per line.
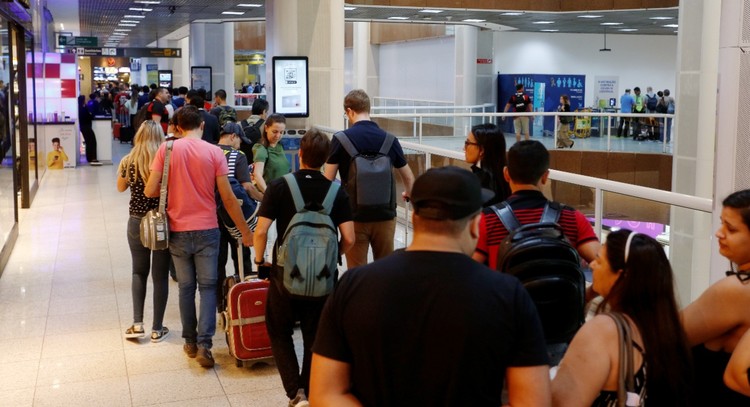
238,363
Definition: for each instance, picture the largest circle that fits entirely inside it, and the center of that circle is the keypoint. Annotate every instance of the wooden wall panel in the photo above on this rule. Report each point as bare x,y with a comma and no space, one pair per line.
348,35
504,4
250,35
383,33
577,5
544,5
445,3
660,3
628,4
409,3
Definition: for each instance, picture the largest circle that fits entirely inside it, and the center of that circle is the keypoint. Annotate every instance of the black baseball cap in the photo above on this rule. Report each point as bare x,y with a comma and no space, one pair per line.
448,193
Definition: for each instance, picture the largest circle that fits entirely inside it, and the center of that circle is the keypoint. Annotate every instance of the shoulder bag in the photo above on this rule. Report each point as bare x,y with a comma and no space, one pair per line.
626,393
155,225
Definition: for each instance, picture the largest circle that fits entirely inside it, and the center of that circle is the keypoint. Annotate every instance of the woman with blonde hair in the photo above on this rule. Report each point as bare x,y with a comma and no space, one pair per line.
133,173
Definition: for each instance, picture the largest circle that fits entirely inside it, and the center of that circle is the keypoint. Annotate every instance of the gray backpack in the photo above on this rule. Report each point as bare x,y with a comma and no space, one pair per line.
309,249
370,183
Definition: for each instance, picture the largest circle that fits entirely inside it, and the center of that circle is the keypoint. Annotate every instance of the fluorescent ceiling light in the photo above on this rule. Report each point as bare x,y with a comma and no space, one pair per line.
512,13
133,16
611,24
589,16
628,29
660,18
249,5
473,20
123,30
398,18
234,13
671,26
544,22
349,8
126,25
147,1
430,11
130,21
140,9
550,31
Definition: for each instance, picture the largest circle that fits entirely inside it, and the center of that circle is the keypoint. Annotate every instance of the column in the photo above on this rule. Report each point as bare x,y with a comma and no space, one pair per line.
312,28
366,57
465,84
694,142
212,44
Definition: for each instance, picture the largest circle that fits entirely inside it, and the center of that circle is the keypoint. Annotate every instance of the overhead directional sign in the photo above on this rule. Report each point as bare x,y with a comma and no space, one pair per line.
127,52
78,41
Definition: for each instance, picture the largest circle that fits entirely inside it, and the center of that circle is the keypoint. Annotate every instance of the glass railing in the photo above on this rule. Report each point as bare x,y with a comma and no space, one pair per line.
595,131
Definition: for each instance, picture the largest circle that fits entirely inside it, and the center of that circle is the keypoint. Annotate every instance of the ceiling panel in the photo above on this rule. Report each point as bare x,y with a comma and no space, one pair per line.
101,17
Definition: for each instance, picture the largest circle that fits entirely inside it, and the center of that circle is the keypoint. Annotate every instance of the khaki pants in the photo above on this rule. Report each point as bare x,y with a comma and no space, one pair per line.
378,234
521,125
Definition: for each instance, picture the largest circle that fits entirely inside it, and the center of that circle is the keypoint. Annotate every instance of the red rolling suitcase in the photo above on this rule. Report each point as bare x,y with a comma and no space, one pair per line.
244,318
116,130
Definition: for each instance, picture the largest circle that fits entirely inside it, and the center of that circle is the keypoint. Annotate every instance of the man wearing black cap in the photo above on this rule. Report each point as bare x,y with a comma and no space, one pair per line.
428,326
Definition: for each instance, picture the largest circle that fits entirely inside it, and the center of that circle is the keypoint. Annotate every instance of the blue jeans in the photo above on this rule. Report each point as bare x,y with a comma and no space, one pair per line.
195,256
144,260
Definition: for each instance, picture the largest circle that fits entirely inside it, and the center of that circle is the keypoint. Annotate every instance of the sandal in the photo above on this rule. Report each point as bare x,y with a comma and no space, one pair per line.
135,332
158,336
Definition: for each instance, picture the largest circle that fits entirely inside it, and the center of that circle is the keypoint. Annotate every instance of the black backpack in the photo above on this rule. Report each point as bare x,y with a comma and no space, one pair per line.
520,102
143,114
548,266
370,184
252,136
651,102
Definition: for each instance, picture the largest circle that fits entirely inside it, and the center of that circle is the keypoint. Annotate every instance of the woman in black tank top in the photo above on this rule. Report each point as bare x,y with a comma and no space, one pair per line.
719,318
632,273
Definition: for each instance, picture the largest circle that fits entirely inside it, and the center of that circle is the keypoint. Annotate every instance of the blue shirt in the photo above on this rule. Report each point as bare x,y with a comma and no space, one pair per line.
626,103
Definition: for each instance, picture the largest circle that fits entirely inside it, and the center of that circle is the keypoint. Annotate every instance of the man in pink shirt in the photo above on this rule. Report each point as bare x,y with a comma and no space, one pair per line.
196,170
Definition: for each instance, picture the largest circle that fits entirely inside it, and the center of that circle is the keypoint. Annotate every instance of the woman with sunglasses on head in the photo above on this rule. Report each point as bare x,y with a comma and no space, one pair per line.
484,149
133,173
718,319
632,273
269,161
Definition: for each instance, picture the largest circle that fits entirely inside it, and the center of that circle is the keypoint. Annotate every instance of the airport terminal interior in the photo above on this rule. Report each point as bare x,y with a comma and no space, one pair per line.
433,69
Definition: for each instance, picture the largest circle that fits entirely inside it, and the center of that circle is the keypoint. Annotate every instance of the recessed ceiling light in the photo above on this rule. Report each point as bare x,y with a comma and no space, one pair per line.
671,26
349,8
550,31
140,9
431,11
147,1
398,18
660,18
511,13
133,16
234,13
628,29
249,5
611,24
589,16
122,30
126,25
544,22
130,21
473,20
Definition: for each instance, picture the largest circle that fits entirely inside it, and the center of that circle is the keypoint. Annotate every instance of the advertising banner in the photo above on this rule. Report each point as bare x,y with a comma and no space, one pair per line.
544,91
606,88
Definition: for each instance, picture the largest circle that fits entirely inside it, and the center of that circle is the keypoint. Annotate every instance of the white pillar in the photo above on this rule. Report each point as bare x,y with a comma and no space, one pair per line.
695,124
312,28
212,44
465,84
365,60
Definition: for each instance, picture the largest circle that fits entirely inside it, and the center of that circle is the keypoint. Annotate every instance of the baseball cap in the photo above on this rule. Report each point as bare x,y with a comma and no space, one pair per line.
448,193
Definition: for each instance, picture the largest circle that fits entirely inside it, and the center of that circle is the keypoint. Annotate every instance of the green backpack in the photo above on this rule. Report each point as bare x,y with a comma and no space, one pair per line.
227,115
309,250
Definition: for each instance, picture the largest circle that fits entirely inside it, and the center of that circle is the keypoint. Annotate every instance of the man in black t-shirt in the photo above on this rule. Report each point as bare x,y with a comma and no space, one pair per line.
282,311
520,102
429,326
158,110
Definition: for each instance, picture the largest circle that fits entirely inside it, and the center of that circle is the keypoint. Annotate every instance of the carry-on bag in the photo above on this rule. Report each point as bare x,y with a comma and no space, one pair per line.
126,134
244,319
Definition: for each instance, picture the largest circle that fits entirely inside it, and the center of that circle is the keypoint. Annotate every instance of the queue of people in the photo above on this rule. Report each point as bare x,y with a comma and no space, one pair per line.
436,323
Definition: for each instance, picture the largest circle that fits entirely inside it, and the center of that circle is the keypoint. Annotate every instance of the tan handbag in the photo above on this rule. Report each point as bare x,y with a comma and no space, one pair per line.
155,225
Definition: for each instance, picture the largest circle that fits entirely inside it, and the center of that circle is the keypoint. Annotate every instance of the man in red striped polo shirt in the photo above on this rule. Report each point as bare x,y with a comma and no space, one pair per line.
527,171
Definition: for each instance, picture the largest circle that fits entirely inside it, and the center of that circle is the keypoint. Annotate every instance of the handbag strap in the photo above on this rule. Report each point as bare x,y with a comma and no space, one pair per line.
165,177
625,377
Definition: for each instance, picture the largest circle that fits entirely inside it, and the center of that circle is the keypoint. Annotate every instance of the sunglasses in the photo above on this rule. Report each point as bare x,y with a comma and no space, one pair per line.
469,143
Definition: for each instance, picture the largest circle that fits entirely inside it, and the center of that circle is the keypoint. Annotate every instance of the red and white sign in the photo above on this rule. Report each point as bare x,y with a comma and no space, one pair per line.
484,60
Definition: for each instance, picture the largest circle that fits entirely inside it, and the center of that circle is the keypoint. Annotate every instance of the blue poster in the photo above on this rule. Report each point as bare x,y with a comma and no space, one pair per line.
544,91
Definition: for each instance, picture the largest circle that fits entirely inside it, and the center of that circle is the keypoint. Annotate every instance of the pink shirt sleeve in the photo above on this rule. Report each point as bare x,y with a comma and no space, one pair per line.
158,164
220,163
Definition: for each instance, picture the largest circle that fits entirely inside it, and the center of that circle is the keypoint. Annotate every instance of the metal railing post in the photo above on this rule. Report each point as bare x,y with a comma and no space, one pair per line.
555,129
598,211
421,129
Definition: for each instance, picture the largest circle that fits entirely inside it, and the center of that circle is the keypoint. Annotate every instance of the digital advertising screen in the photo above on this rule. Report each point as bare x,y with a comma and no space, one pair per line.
290,87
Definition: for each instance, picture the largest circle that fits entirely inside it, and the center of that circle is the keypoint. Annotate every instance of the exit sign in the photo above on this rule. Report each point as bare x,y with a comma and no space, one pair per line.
484,60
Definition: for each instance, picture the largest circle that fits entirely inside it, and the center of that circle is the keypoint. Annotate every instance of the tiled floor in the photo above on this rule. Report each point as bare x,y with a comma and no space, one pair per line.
65,302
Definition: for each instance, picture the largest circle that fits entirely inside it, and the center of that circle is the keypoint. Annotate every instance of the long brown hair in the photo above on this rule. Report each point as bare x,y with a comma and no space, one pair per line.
645,292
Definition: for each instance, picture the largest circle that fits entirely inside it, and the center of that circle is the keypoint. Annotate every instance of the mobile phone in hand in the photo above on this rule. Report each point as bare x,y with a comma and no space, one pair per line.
264,271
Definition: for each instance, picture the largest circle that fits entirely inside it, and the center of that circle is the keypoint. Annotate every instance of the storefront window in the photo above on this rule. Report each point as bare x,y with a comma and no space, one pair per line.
8,182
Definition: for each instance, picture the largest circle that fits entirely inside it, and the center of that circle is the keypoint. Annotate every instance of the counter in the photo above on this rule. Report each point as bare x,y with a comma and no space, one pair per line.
103,129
